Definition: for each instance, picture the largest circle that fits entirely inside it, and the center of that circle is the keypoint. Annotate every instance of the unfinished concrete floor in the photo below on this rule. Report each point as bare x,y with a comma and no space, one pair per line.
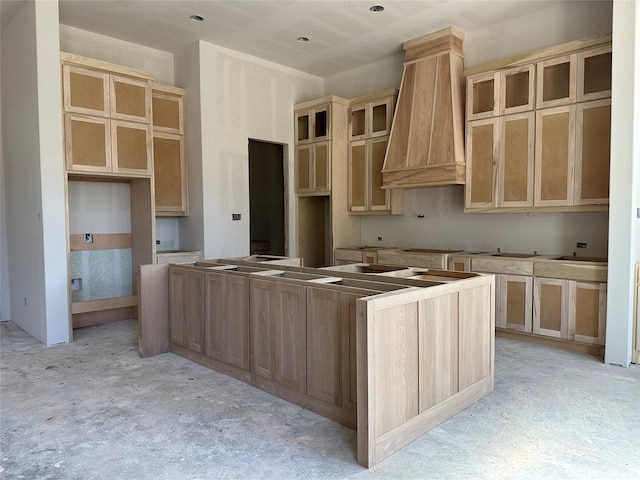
95,410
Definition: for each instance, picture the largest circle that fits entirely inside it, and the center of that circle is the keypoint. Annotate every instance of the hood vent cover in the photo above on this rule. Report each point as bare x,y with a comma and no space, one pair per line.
426,146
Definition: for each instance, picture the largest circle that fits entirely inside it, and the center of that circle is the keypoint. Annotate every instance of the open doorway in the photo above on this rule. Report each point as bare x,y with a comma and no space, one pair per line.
266,198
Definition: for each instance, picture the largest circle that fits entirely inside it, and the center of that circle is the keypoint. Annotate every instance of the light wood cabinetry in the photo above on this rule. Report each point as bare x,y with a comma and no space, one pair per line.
278,332
186,313
107,118
227,318
514,296
169,160
346,255
321,173
416,257
313,169
548,151
370,124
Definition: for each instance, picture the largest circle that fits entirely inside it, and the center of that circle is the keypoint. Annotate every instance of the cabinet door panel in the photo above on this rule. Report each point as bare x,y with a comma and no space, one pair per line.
550,307
322,167
87,143
357,176
131,147
168,113
556,82
593,133
85,91
482,96
517,89
517,161
594,74
194,294
587,312
289,316
379,197
262,329
515,297
303,168
169,169
483,140
216,315
324,344
130,99
555,152
237,330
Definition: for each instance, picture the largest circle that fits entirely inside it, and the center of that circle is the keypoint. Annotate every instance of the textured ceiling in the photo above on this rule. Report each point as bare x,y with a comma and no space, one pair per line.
343,34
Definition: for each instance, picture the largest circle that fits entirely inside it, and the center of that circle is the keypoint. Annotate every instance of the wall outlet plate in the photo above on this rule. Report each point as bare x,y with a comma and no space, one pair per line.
581,245
235,216
88,238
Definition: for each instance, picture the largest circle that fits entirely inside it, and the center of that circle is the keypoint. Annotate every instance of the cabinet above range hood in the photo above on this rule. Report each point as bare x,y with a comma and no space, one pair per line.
426,146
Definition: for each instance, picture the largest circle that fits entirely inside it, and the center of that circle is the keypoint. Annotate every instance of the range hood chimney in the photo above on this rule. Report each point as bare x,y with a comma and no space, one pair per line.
426,146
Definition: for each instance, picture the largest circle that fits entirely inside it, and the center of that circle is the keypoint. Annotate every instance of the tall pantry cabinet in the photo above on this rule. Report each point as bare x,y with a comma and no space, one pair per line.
321,170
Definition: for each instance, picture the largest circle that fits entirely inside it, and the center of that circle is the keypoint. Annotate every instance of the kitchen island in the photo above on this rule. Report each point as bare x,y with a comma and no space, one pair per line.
392,356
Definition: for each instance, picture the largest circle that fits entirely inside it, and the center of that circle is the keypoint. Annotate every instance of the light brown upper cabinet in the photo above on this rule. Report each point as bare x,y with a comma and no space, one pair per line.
313,169
556,83
107,118
555,156
539,129
169,168
593,145
85,91
370,124
130,99
313,125
97,144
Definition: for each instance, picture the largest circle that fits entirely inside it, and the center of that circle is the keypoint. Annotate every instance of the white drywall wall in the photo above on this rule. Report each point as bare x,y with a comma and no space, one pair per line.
624,226
108,49
32,141
240,97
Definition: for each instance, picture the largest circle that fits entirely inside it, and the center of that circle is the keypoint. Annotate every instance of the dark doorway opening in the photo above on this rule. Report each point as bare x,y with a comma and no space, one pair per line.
266,198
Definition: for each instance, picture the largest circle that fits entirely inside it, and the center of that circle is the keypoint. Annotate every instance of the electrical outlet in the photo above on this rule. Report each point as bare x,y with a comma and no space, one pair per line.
581,245
379,239
88,238
235,216
157,242
76,284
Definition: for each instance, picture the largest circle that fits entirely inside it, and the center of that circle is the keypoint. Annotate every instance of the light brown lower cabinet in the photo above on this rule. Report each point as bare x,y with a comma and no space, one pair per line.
226,298
186,313
570,309
514,294
278,332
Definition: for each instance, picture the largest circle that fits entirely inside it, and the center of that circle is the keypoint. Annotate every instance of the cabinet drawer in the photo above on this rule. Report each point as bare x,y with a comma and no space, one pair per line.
348,255
497,265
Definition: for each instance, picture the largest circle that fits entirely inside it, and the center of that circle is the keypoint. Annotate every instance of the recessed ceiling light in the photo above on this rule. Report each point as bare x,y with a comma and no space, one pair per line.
302,39
376,8
197,18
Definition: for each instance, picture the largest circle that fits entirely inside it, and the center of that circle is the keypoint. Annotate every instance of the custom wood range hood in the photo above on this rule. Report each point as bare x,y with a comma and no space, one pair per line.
426,146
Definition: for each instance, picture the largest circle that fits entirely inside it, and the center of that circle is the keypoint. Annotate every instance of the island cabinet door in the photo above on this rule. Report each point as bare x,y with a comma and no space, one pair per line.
278,332
348,351
324,343
550,312
186,299
514,302
227,318
289,319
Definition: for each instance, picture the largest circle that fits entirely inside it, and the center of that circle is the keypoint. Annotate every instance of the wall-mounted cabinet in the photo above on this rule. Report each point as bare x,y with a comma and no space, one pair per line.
538,133
313,124
170,166
101,145
107,118
369,127
313,169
